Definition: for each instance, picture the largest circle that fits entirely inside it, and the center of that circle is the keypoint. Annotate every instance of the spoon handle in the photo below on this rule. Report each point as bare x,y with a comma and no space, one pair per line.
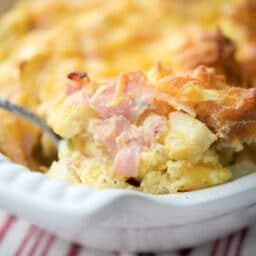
32,118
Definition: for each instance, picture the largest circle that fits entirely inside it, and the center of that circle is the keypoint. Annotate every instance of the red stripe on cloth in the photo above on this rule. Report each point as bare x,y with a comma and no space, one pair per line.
73,249
116,254
25,240
6,226
242,238
185,252
227,245
36,243
48,245
215,248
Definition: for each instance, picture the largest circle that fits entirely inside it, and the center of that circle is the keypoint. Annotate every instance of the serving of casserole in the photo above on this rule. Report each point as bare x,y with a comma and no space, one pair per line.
156,96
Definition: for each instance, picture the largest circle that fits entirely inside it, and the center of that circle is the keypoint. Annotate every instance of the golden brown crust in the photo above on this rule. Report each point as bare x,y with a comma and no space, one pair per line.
236,111
211,49
224,109
241,20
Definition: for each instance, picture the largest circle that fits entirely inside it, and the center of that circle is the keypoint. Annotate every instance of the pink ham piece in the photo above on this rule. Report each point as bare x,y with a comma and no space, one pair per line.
127,157
109,129
129,96
127,160
151,130
126,142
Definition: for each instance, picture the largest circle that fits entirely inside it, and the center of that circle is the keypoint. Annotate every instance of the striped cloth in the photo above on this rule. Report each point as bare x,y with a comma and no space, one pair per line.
19,238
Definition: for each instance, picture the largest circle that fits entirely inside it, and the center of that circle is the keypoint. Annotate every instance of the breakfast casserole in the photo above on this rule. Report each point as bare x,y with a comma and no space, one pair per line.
156,96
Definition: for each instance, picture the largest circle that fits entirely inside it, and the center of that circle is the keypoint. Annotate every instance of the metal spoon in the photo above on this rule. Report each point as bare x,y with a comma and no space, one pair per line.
30,117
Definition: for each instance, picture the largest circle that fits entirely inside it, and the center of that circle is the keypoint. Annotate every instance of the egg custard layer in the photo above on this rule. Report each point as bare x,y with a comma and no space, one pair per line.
166,104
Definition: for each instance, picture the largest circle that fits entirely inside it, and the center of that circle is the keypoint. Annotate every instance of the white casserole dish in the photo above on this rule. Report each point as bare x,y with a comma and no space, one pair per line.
126,220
